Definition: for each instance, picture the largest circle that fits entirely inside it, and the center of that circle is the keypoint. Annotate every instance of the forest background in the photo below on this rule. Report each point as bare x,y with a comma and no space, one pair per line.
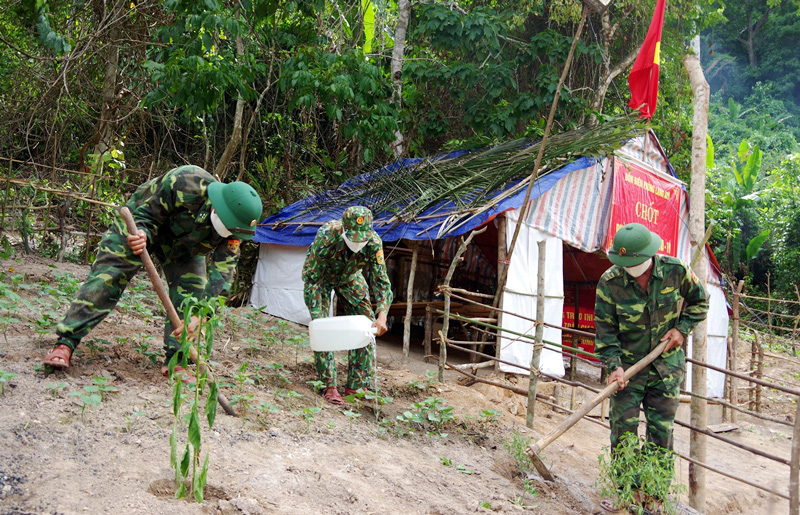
294,97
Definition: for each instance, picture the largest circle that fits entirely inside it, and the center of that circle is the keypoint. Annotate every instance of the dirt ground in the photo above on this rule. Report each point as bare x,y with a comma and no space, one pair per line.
114,457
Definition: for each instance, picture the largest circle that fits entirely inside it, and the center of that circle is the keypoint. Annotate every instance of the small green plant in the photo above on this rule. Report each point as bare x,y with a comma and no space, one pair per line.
486,505
244,401
55,389
639,476
428,414
101,387
308,415
243,377
488,417
516,444
130,420
369,398
97,345
289,396
4,378
463,468
88,397
447,462
265,409
352,416
203,392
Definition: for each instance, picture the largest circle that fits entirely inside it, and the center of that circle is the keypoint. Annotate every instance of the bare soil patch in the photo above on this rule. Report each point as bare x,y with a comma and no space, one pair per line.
114,457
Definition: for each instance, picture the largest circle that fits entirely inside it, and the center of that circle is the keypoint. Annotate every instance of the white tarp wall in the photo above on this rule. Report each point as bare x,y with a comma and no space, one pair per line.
278,282
717,343
519,297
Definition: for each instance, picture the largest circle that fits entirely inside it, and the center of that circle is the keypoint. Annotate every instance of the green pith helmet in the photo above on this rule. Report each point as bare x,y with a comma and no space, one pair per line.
633,245
238,206
357,223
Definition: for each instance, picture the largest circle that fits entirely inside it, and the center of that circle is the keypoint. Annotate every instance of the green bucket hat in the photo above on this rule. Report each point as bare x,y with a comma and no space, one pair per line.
633,245
357,223
238,206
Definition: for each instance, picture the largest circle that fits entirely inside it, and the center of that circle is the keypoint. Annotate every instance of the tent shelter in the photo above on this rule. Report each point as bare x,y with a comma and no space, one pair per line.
577,204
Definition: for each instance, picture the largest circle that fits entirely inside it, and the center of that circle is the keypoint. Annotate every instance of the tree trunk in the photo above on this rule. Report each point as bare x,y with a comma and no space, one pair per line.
105,129
697,487
608,73
236,135
403,13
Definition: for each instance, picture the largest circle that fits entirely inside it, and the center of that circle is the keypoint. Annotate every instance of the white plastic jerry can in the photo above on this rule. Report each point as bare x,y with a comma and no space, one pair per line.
341,333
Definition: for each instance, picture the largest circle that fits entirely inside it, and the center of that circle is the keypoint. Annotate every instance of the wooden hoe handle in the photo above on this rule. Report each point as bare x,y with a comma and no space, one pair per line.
597,399
167,302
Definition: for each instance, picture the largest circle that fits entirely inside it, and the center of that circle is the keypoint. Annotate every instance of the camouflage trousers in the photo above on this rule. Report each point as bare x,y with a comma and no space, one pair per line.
353,298
112,270
659,398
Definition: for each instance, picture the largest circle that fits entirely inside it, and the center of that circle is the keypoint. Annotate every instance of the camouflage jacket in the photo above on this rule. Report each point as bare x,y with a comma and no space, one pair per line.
174,210
330,261
630,322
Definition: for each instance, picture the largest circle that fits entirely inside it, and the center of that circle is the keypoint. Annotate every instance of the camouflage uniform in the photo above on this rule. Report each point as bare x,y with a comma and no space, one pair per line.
331,266
174,211
629,324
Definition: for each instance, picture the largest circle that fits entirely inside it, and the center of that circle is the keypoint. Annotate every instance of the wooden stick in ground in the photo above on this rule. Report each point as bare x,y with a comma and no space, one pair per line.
171,313
535,448
794,473
537,347
409,301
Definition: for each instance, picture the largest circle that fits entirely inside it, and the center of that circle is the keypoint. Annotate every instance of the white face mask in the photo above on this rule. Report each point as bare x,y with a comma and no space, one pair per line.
352,245
219,226
638,270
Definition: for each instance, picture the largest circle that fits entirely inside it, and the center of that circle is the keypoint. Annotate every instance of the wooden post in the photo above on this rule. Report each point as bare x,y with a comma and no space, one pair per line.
752,368
502,272
760,375
697,227
573,362
734,390
428,332
5,197
794,473
537,347
409,302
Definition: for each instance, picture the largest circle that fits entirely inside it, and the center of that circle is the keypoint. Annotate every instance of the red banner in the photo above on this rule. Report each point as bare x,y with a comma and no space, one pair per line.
642,197
585,314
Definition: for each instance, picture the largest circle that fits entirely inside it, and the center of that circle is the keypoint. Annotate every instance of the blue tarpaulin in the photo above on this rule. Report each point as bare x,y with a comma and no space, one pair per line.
297,224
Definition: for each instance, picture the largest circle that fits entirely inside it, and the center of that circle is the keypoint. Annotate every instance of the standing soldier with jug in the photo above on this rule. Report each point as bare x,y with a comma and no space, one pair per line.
335,261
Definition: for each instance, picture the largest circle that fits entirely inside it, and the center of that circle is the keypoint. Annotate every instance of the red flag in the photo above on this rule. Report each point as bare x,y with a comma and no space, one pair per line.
643,80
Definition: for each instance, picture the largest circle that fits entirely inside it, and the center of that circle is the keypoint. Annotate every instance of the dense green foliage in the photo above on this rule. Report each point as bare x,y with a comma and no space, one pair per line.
303,94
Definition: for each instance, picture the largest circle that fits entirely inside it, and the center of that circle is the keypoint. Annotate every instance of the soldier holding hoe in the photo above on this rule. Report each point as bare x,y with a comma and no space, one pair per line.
644,300
182,216
335,261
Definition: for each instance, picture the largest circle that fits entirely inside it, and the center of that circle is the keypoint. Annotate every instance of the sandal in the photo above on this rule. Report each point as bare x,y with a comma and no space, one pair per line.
60,352
332,396
353,391
610,507
184,374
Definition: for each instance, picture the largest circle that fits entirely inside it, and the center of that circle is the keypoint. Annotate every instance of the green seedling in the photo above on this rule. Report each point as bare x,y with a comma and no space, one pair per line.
465,470
486,506
289,396
447,462
639,476
131,419
351,416
202,395
430,414
369,398
101,387
517,444
308,415
56,388
4,378
88,397
97,345
244,401
243,377
265,410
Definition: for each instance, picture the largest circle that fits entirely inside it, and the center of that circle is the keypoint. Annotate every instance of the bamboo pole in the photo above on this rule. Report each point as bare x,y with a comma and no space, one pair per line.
760,375
409,300
5,197
794,473
752,393
757,381
537,163
537,347
502,264
426,344
734,391
734,407
572,361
